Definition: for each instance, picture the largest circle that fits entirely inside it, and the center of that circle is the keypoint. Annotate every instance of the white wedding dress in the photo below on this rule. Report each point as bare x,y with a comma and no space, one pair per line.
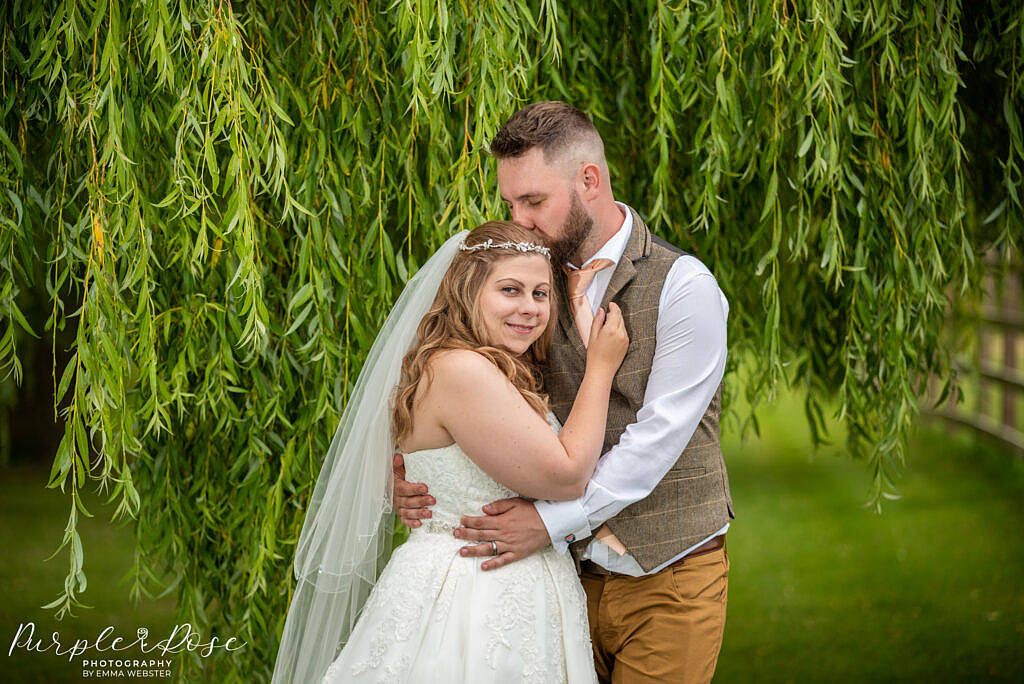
434,616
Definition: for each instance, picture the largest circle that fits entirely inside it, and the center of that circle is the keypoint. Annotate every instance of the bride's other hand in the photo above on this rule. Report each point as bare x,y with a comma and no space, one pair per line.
608,340
411,498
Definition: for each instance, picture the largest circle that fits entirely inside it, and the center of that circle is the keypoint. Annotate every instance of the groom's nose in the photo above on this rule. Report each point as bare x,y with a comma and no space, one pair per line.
521,217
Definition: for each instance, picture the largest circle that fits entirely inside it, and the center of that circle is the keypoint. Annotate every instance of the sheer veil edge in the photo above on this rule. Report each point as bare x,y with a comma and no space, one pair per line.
346,537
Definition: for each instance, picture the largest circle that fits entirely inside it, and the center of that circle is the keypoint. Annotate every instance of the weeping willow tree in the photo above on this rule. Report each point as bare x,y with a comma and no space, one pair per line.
216,202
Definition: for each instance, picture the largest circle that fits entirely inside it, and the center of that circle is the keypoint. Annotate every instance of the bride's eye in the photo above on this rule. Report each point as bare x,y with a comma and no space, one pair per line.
540,293
508,289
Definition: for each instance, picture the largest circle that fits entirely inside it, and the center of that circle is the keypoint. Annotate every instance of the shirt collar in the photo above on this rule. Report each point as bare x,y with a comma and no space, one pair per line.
616,244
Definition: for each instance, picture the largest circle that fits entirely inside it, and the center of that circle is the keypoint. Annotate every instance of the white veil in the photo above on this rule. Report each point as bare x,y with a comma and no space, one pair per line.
346,537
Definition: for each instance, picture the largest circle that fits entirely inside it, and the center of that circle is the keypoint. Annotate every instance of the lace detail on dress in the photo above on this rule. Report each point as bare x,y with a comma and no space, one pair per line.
517,613
436,617
403,610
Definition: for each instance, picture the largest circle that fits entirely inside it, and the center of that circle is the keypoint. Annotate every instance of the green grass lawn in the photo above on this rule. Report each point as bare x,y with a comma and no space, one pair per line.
33,526
821,589
824,590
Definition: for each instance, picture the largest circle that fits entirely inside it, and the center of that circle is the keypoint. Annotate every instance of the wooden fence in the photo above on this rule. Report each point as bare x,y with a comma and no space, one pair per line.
989,360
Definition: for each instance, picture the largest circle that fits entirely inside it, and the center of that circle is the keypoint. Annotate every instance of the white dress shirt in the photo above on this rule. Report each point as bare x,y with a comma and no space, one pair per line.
688,365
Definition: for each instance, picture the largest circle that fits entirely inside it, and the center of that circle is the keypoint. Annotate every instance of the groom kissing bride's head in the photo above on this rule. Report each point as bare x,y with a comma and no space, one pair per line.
554,178
500,391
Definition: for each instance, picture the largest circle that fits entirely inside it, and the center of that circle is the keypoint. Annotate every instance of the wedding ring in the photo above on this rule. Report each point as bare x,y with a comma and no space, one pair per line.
494,548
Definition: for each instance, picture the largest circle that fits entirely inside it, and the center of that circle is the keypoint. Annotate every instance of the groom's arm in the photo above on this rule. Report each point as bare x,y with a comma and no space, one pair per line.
688,365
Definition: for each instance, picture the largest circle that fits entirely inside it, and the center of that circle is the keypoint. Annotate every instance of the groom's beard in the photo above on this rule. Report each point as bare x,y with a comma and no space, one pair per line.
575,230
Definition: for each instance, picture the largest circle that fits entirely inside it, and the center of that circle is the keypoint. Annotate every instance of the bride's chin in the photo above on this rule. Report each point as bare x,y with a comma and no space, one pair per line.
513,352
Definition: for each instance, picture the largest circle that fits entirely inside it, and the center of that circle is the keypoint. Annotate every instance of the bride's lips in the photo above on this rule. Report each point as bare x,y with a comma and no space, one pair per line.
521,329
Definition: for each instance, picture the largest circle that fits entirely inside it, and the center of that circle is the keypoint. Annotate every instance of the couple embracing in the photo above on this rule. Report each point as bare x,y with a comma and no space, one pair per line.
552,386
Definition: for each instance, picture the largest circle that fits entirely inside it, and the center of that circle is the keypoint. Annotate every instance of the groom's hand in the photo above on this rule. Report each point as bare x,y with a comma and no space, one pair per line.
411,499
513,524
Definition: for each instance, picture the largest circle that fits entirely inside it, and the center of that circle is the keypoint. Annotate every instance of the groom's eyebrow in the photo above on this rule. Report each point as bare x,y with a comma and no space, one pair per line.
524,196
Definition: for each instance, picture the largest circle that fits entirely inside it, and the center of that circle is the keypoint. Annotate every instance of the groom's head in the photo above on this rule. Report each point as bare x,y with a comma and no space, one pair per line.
553,176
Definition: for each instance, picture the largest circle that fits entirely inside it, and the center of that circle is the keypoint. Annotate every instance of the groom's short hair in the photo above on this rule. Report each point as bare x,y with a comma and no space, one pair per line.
553,126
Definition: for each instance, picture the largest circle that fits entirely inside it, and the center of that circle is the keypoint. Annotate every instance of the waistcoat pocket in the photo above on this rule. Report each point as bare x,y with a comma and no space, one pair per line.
684,473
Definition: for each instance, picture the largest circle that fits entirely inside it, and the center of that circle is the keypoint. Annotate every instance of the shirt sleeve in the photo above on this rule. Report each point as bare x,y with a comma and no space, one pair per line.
688,365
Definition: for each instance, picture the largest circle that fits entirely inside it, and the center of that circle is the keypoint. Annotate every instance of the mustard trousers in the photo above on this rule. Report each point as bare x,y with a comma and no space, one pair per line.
665,627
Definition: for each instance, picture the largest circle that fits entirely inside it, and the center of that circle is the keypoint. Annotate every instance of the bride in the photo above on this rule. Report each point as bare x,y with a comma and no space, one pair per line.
453,382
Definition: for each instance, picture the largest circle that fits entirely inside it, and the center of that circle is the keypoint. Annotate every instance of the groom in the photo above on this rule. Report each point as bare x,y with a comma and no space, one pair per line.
648,535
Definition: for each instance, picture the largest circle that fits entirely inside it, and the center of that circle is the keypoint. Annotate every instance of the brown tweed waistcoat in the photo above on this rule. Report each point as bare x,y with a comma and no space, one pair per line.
692,501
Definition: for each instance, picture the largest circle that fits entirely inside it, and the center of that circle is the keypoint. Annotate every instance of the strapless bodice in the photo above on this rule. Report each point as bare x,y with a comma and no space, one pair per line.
436,617
459,486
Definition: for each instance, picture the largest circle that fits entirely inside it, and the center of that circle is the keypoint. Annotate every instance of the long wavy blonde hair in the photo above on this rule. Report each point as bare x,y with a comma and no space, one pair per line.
454,322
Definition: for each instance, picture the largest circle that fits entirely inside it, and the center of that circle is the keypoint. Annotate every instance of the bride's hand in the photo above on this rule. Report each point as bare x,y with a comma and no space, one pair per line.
608,340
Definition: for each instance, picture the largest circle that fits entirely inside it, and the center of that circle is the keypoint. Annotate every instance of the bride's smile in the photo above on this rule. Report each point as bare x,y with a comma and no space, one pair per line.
515,302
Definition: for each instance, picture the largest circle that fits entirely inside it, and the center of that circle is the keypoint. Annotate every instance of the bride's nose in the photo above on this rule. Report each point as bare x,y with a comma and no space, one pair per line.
529,306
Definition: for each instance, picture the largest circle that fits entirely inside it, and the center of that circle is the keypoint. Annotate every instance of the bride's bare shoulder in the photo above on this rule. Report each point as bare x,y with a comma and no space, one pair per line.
463,364
452,378
458,374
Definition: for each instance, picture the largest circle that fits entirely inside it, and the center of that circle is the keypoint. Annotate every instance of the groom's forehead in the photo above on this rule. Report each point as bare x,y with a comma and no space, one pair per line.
535,159
519,177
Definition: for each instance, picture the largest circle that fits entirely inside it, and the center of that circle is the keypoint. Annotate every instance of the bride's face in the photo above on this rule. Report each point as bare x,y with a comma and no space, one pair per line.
515,302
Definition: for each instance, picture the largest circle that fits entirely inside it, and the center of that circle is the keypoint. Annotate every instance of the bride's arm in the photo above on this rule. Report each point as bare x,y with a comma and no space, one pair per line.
500,432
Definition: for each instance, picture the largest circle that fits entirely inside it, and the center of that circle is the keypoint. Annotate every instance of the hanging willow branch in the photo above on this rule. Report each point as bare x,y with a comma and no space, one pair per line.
220,200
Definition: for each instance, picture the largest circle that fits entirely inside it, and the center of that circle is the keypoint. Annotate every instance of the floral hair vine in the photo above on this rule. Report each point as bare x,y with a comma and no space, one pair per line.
521,246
